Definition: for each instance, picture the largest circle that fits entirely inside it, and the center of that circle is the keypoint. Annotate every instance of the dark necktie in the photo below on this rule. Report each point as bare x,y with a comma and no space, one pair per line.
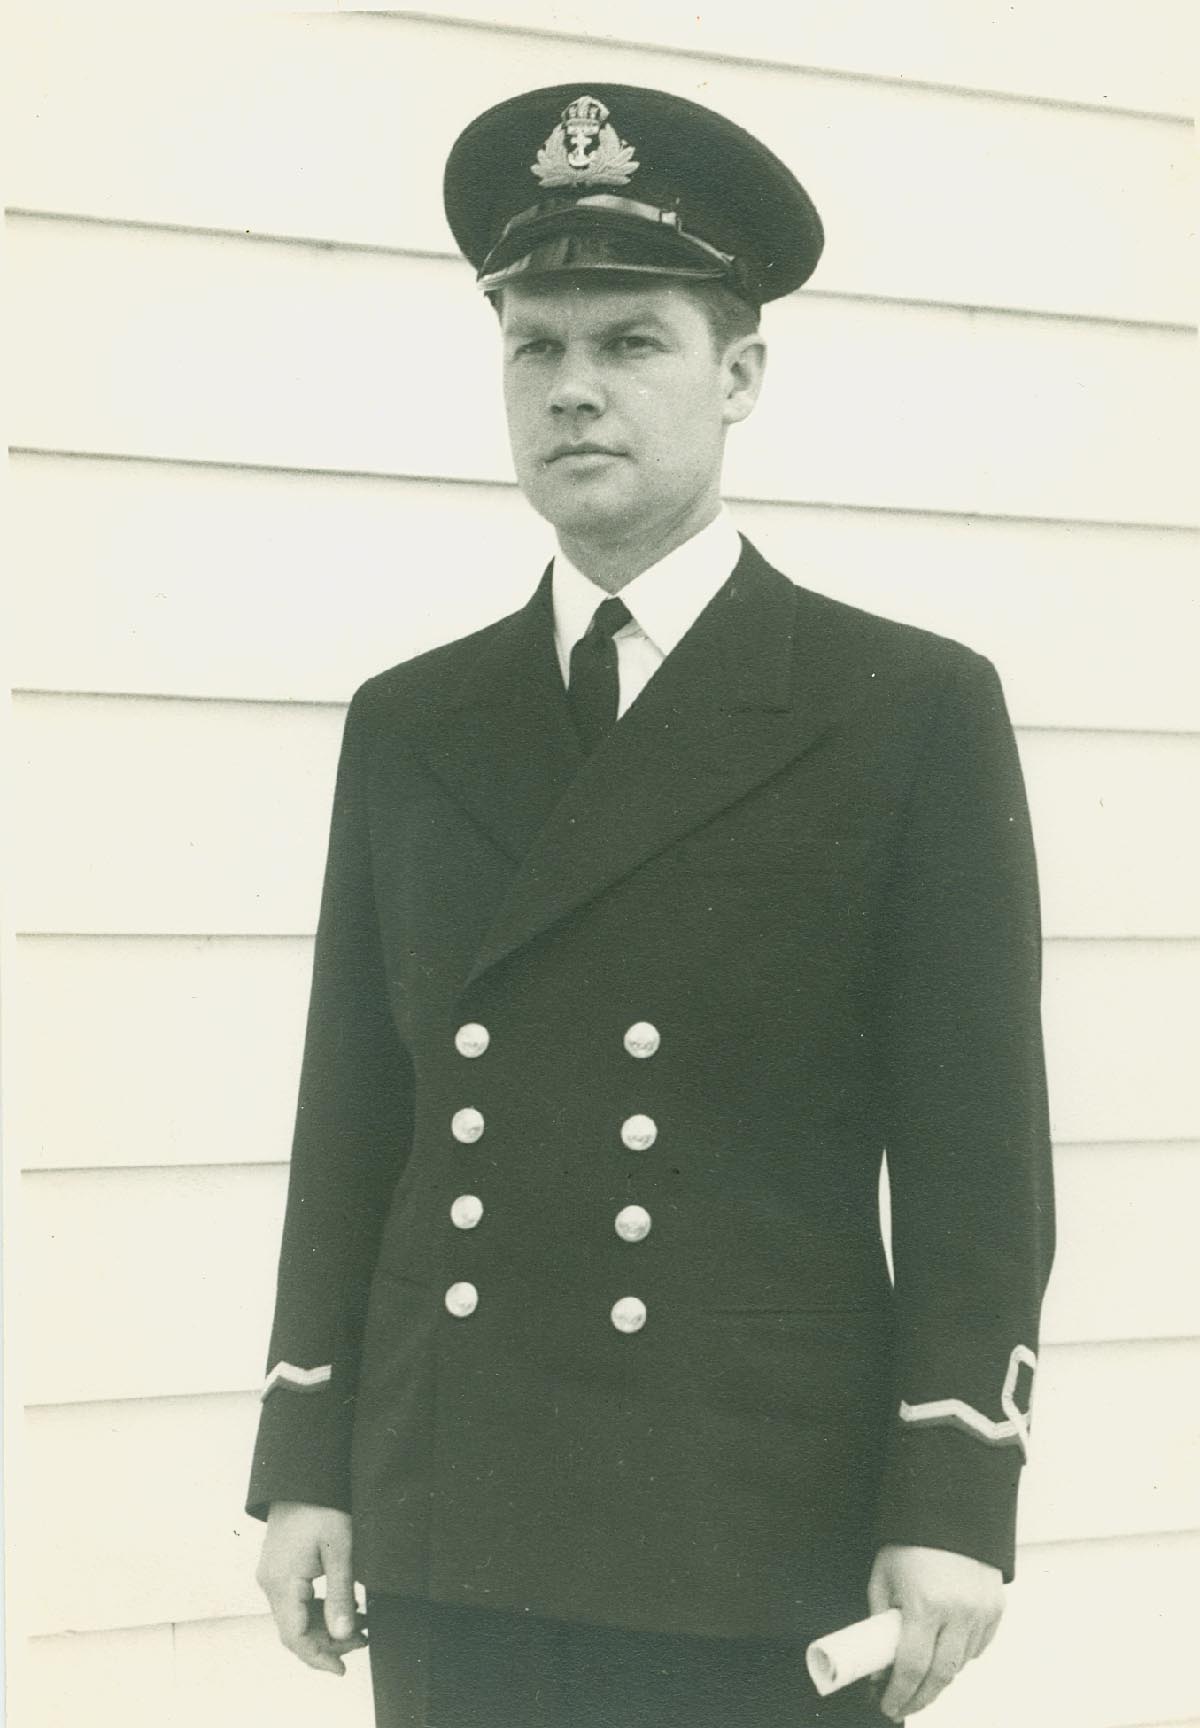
593,686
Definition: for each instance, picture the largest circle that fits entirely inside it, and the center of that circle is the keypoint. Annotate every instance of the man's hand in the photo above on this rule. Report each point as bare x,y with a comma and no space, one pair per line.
950,1607
302,1543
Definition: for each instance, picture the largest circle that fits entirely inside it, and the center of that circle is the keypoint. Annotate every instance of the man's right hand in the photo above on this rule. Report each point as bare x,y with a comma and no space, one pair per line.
303,1543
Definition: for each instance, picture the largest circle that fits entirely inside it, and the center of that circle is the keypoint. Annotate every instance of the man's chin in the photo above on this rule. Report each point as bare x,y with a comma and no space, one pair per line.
585,516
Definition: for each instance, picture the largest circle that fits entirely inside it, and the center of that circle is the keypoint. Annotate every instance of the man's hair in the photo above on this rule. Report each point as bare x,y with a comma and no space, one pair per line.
729,316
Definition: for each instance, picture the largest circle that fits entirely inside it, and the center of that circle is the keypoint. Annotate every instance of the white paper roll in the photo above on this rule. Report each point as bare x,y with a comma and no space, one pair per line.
867,1647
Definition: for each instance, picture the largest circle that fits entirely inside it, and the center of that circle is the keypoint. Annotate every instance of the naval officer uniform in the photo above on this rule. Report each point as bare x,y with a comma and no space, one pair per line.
583,1309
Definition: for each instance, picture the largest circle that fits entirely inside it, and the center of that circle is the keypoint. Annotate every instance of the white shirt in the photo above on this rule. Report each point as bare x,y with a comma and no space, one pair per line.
665,602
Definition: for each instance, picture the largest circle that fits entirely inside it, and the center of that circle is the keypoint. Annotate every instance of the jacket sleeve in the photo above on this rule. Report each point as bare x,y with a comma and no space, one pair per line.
353,1132
966,1131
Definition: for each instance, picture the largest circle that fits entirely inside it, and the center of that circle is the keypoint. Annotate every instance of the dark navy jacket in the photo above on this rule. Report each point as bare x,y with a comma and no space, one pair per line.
803,860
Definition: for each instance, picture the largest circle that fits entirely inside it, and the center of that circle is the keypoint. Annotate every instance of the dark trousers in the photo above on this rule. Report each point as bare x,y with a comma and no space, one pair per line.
434,1666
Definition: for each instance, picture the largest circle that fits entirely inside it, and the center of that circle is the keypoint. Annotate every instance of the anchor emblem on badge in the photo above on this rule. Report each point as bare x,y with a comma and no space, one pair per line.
584,150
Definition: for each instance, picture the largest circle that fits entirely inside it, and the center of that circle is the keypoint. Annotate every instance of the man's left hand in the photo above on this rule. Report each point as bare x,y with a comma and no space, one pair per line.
950,1607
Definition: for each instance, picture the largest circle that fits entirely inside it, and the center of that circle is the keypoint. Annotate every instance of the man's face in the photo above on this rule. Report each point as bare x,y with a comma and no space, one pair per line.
617,405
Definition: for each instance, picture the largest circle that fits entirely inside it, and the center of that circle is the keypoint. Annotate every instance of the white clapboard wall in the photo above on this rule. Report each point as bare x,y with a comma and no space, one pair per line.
259,454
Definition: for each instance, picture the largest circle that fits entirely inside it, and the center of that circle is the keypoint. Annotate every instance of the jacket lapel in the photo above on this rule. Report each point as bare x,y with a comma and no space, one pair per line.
756,681
506,746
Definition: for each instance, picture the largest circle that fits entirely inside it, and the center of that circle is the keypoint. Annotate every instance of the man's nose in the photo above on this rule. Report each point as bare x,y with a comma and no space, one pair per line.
577,387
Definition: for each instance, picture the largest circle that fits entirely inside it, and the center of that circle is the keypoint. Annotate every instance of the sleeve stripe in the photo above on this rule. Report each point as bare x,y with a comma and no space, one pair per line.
1015,1426
297,1379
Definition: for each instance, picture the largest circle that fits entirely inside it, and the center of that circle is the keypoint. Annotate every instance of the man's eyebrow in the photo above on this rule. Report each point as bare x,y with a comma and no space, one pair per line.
531,323
635,321
527,324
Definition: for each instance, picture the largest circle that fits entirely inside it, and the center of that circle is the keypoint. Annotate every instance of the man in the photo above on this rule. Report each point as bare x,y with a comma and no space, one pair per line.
654,914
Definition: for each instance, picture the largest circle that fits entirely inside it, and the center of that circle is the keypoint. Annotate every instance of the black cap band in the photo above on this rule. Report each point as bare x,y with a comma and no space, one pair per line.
525,246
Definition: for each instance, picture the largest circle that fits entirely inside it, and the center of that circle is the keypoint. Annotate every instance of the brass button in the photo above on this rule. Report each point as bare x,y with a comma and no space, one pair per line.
629,1314
639,1132
462,1300
472,1039
466,1211
633,1224
466,1126
642,1039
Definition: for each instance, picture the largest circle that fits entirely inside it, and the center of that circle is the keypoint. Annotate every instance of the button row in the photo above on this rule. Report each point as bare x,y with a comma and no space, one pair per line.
627,1315
641,1040
637,1132
632,1223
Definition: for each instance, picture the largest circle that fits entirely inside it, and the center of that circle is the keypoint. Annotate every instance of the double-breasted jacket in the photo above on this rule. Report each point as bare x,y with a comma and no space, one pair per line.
583,1304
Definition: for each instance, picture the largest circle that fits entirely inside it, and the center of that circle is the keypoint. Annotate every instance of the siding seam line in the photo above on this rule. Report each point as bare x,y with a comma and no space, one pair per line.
256,236
230,466
895,81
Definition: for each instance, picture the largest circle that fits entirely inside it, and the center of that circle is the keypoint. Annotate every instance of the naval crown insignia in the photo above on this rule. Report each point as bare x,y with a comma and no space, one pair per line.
584,150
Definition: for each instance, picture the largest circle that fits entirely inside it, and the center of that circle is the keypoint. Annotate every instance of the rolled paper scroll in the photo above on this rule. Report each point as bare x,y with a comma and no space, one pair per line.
867,1647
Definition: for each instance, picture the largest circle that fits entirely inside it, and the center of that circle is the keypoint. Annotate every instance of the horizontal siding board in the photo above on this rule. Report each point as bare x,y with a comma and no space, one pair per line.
205,1241
203,818
1120,1021
183,1051
137,1512
237,1673
335,129
1117,831
1125,1262
1097,1635
137,1504
136,1052
200,347
96,1241
218,582
1132,1412
111,1679
1067,50
205,581
212,818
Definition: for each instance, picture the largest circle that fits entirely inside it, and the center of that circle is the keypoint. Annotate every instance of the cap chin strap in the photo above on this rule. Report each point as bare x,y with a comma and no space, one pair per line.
721,263
621,207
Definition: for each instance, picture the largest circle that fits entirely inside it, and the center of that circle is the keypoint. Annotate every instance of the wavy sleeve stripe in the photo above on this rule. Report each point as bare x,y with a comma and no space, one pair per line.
1012,1430
297,1379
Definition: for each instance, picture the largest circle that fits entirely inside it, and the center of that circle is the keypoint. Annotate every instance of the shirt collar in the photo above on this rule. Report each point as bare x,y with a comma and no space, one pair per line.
665,600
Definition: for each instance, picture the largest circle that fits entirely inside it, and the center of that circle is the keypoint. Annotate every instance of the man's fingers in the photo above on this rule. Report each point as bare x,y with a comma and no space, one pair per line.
879,1593
918,1636
299,1621
987,1632
339,1590
950,1653
290,1599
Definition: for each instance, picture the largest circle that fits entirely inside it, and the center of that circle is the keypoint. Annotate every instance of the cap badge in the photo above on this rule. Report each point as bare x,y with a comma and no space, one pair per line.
584,150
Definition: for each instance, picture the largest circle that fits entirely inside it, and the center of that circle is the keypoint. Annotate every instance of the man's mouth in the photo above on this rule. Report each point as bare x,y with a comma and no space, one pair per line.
565,451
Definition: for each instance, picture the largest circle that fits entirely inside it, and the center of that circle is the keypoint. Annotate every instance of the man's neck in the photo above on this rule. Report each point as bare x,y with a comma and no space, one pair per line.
612,565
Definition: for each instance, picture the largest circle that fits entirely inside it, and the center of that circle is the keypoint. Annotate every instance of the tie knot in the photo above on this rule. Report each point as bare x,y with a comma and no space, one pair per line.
609,617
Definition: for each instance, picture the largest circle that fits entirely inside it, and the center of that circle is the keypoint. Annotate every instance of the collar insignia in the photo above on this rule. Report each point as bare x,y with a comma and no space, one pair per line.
584,150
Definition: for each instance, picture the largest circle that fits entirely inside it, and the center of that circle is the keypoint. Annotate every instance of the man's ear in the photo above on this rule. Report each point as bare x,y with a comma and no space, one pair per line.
742,369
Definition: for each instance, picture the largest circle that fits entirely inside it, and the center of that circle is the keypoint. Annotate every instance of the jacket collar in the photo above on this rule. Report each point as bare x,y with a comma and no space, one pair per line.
665,600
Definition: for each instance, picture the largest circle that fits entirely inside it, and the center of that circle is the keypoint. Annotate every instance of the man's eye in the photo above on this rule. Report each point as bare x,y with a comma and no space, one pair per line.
633,343
535,348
